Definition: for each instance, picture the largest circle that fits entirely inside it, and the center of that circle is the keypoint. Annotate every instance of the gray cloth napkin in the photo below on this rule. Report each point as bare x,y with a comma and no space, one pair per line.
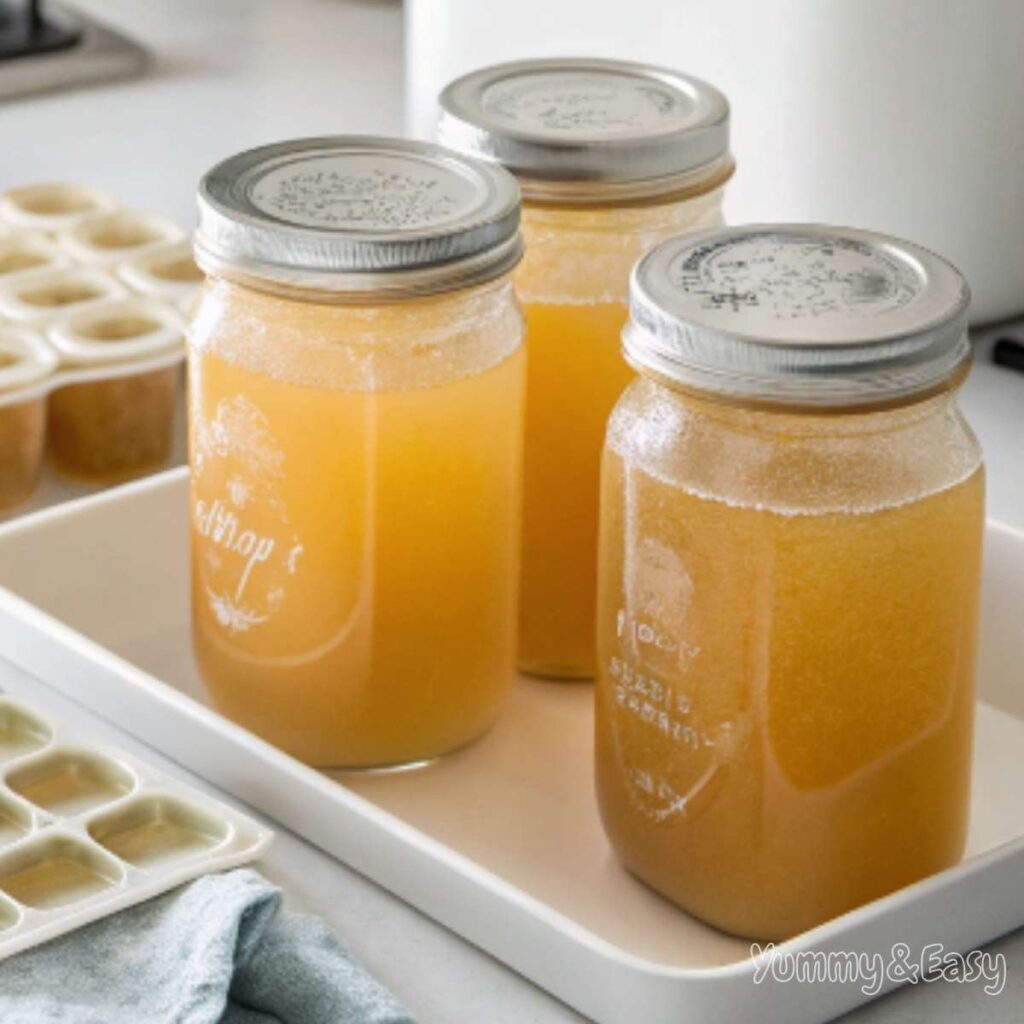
217,950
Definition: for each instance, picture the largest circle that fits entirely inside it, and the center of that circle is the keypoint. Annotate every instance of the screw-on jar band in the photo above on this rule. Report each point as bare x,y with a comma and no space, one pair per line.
798,314
578,130
358,215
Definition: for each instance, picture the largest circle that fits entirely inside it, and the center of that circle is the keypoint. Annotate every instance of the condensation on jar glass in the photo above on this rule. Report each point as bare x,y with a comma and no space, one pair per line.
612,157
356,380
791,530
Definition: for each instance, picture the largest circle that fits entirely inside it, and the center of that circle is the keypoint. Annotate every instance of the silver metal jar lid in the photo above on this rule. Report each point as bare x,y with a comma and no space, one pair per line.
565,123
358,215
801,314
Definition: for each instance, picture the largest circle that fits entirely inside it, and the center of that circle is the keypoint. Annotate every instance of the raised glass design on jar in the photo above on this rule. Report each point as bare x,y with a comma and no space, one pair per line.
612,158
791,530
356,382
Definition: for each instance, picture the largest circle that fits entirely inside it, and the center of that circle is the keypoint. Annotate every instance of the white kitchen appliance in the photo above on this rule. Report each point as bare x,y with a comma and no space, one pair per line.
904,116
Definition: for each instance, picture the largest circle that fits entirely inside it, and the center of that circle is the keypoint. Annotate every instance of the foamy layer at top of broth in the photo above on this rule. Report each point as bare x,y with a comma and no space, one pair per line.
582,257
401,346
793,464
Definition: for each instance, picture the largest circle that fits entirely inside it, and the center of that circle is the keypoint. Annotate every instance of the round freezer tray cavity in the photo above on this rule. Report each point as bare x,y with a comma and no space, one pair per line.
169,273
69,782
158,831
21,732
53,206
25,359
118,331
55,871
25,253
53,295
118,236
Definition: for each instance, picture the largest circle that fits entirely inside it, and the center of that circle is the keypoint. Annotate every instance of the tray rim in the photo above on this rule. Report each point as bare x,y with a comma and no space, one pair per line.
21,612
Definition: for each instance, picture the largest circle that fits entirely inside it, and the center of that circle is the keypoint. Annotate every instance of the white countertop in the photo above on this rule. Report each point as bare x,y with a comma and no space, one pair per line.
227,75
231,74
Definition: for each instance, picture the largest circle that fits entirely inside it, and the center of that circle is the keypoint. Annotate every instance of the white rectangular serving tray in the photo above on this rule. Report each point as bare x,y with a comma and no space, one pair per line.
500,842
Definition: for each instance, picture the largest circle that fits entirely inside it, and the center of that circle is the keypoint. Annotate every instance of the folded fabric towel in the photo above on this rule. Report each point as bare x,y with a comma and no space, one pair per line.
217,950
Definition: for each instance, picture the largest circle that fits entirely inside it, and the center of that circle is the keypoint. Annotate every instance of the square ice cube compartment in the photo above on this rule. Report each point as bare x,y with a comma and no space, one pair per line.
86,831
157,831
69,782
55,871
21,732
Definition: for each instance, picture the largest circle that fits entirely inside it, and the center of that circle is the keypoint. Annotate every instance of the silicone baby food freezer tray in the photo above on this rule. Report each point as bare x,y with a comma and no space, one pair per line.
500,842
87,830
90,292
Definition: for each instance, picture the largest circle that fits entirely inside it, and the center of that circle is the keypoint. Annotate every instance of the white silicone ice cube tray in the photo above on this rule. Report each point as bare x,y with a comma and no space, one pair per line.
87,830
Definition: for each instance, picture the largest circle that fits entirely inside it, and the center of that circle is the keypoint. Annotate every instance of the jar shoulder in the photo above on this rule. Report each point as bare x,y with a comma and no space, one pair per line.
585,255
792,462
416,343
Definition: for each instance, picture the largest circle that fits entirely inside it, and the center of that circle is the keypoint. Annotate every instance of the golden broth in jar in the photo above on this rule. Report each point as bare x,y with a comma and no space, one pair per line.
573,283
612,157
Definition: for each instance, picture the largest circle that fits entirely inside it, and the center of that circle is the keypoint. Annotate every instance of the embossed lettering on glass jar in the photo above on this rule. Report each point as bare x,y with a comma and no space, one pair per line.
356,377
612,158
791,525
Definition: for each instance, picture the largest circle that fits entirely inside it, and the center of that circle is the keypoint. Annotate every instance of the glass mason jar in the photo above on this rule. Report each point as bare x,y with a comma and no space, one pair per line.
792,518
612,158
356,379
